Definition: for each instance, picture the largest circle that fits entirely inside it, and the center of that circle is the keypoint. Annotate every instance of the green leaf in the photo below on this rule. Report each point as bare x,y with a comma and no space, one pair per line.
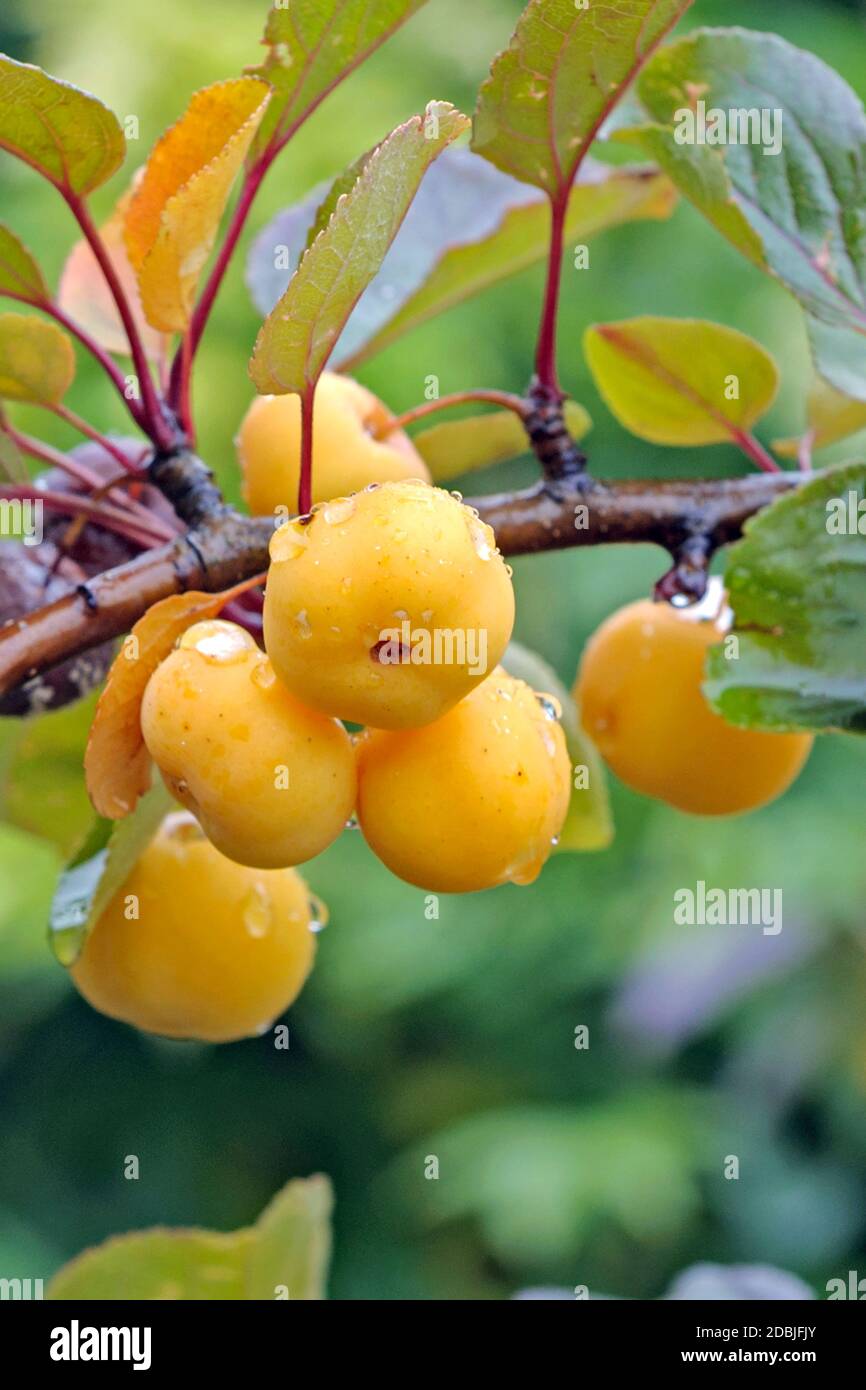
830,416
588,824
37,361
64,133
797,585
287,1250
20,276
669,380
313,46
301,331
799,211
27,869
563,72
469,228
463,446
99,870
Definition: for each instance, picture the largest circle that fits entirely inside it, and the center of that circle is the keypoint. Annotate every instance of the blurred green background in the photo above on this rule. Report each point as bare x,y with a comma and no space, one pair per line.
455,1037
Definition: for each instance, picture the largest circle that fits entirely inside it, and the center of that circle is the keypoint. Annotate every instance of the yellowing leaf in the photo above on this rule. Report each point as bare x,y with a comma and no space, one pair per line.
284,1255
20,276
159,1264
830,416
566,67
85,296
462,446
174,214
117,763
64,133
37,362
300,333
292,1247
681,381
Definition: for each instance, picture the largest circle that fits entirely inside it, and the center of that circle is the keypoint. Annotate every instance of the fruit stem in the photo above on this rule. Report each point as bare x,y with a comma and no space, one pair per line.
181,367
111,369
73,504
69,416
305,483
754,450
545,356
506,399
153,420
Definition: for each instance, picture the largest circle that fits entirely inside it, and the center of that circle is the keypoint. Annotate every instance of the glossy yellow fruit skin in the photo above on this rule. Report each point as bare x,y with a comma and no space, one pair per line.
347,454
338,586
639,691
216,951
271,781
472,801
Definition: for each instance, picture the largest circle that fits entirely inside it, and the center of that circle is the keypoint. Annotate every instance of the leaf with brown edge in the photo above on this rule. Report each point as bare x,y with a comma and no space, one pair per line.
20,275
117,763
313,46
63,133
37,361
174,214
564,71
302,329
84,295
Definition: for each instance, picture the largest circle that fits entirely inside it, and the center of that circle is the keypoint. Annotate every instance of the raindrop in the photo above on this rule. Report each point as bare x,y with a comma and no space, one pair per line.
263,674
318,914
288,543
550,706
257,912
217,641
338,510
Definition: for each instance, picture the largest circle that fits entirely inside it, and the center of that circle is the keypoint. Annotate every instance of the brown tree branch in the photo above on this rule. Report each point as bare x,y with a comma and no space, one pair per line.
227,548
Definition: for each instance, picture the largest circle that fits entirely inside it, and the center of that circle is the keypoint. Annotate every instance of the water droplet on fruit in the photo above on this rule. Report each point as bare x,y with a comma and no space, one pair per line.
458,496
263,674
526,871
338,510
66,944
217,641
257,912
509,570
346,585
288,543
551,707
318,914
302,625
182,825
481,537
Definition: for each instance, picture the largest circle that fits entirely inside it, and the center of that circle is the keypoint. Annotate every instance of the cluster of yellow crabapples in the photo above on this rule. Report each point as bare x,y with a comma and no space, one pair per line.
459,778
